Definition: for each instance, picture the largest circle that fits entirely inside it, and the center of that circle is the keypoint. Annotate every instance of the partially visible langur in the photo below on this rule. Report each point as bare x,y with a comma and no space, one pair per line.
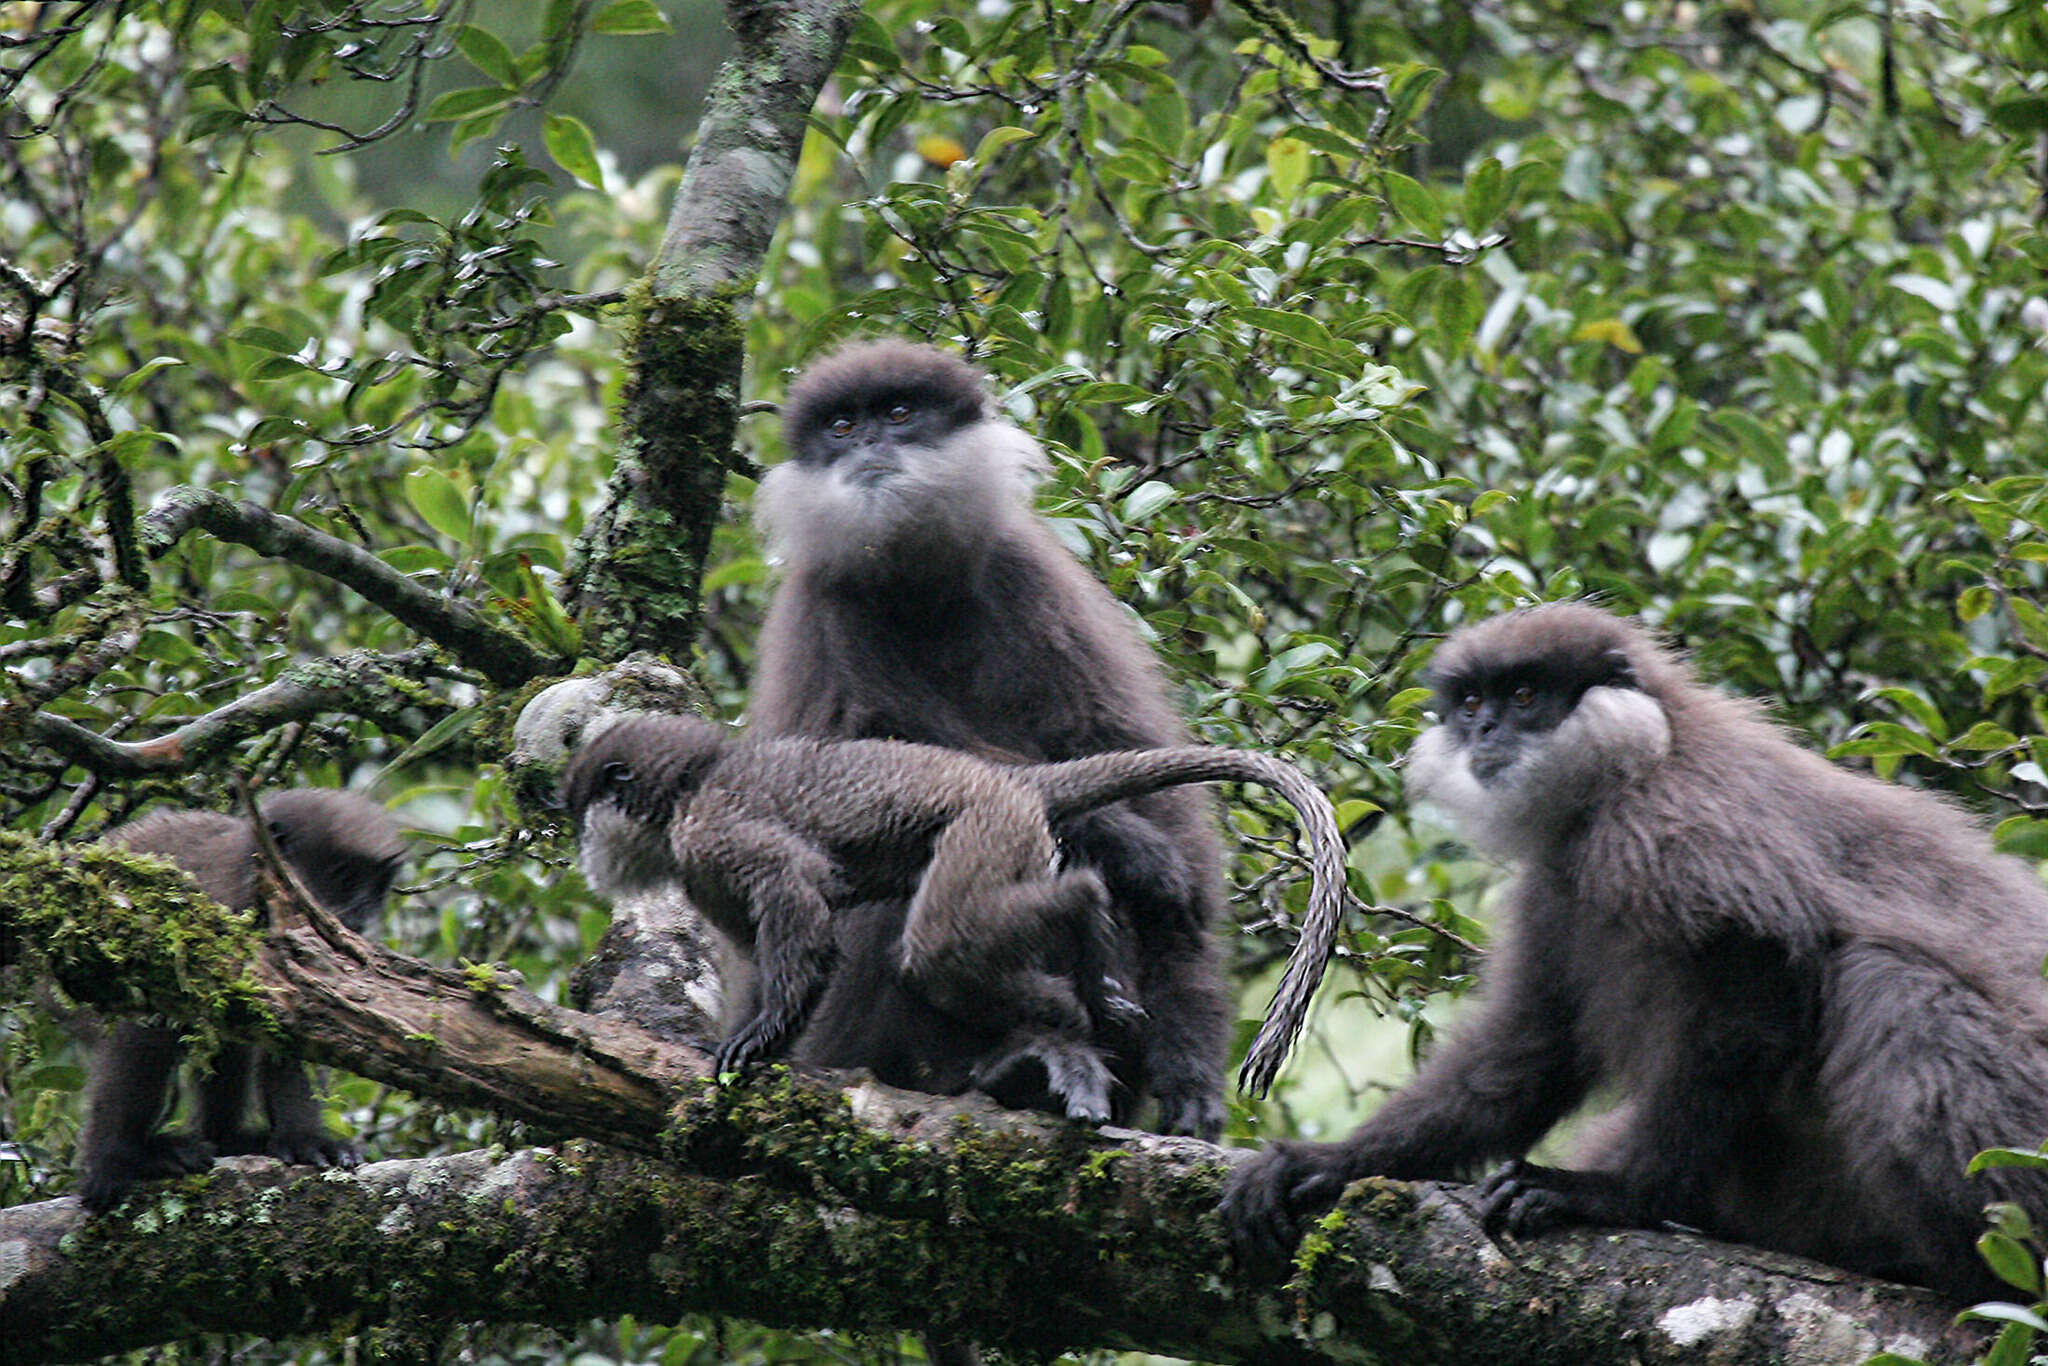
346,851
1817,995
768,836
923,600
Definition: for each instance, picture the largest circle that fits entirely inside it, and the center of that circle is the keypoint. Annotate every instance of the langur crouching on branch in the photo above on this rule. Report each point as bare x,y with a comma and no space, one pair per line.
1817,995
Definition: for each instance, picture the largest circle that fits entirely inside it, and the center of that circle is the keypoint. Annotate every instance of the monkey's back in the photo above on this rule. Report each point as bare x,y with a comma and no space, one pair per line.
215,850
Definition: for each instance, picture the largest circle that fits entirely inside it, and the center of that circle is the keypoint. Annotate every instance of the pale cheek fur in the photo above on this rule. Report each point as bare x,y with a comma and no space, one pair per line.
620,856
952,494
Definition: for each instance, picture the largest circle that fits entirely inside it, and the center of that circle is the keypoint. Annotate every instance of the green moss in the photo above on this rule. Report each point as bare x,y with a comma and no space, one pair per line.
128,931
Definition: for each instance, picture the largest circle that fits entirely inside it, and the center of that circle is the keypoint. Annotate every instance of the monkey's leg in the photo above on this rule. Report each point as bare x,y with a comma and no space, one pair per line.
133,1070
1155,891
1727,1054
298,1131
779,875
222,1102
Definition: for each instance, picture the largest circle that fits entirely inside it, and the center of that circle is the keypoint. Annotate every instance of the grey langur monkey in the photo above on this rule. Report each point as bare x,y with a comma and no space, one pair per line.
769,836
346,851
923,600
1817,995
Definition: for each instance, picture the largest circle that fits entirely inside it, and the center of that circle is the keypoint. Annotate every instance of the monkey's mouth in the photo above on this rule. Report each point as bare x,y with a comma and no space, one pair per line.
868,471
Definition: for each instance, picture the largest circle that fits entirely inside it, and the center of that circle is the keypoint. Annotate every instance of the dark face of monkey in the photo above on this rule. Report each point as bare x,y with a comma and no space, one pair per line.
1493,708
895,469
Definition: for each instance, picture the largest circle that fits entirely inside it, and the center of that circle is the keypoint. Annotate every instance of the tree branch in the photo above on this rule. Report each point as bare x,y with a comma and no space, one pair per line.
850,1205
367,684
505,657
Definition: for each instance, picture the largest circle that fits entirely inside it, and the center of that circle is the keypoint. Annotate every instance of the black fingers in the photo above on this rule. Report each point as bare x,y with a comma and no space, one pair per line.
1523,1199
1273,1197
1195,1111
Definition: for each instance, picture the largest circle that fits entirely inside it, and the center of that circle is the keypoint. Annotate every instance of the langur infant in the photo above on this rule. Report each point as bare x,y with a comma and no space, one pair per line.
770,838
1817,995
923,600
346,851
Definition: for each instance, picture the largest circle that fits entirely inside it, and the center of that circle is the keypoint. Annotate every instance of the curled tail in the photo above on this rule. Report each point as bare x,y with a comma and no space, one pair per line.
1083,784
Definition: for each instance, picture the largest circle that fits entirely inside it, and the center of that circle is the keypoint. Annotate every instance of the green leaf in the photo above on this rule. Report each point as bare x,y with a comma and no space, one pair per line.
437,498
1986,735
1287,162
1146,499
630,16
487,53
1486,194
2012,1263
569,142
1414,202
139,376
468,103
1294,326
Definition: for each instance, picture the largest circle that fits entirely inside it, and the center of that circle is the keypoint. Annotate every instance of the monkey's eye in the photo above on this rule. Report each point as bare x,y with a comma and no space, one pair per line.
616,777
1469,704
898,415
1523,695
841,426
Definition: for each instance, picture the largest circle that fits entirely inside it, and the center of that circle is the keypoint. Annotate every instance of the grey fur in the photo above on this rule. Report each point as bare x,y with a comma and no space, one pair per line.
1819,995
769,836
923,600
346,851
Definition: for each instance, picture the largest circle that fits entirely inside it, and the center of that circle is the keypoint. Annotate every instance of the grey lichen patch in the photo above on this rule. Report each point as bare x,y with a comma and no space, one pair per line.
1822,1332
14,1262
1698,1321
397,1223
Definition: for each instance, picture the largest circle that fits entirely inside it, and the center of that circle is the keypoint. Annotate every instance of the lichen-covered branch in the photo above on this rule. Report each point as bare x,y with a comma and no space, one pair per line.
363,683
503,656
826,1204
637,567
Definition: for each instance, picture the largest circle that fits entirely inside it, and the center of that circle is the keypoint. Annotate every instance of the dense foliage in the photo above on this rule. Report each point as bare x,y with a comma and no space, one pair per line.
1343,323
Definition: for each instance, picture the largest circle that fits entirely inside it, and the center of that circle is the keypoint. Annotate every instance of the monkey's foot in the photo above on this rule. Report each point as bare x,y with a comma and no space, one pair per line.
312,1149
1524,1199
1074,1072
1198,1113
758,1040
108,1172
1271,1198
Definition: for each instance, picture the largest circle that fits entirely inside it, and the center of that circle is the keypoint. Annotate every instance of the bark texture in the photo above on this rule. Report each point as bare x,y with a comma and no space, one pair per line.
793,1200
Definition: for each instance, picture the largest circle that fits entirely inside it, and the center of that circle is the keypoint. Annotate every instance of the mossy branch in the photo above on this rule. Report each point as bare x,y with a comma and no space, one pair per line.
826,1203
636,572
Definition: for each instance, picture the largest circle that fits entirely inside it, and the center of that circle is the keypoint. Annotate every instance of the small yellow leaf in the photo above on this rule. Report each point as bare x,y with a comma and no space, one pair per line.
939,150
1613,331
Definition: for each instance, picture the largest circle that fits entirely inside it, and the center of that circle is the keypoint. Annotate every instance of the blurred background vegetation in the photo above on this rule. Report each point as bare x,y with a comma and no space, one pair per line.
1343,322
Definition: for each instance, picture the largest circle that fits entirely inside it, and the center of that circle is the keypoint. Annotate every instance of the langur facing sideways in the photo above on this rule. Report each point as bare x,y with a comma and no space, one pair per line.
770,838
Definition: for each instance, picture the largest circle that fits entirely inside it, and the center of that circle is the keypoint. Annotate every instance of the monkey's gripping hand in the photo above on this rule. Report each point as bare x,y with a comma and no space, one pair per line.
1524,1199
759,1039
1270,1198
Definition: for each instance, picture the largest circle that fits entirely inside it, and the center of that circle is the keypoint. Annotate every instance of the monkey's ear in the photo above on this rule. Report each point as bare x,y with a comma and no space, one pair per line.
1621,672
616,777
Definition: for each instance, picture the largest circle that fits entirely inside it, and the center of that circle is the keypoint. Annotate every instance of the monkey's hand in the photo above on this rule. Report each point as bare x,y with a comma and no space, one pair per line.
1271,1197
1524,1199
112,1168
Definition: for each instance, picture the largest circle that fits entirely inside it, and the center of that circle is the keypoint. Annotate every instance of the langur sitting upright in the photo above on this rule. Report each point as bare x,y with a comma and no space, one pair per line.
346,851
1817,995
923,600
